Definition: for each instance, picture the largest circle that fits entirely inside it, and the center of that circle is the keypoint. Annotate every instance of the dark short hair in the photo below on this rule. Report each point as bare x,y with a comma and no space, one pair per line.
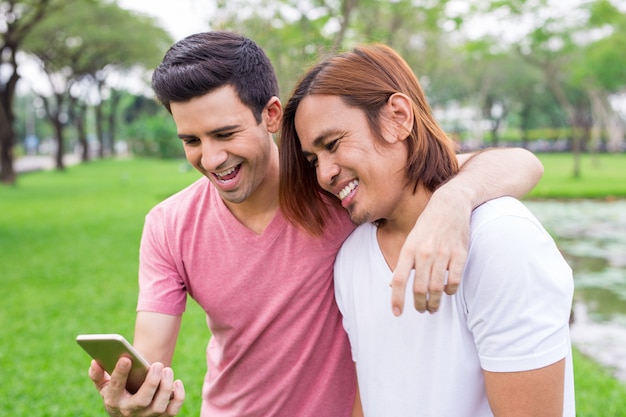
203,62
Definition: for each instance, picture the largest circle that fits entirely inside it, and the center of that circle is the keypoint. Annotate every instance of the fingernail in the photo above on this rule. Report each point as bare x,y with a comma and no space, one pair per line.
156,368
396,311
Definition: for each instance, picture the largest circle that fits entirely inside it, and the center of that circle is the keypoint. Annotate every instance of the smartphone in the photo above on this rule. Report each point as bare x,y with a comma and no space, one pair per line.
106,349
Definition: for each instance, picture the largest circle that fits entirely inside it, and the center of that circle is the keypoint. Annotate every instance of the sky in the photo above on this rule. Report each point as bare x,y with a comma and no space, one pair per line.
179,17
184,17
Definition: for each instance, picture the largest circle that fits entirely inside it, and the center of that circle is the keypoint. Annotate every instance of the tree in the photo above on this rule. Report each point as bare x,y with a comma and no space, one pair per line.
602,72
81,46
573,57
17,20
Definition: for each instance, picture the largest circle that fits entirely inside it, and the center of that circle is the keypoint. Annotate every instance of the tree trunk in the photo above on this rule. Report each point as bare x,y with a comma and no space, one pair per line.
114,102
58,130
53,112
524,124
570,110
100,130
82,133
347,7
11,36
7,117
495,126
607,119
7,139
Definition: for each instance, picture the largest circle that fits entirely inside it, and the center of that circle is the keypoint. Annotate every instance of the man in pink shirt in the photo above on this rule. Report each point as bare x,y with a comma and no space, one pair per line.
277,347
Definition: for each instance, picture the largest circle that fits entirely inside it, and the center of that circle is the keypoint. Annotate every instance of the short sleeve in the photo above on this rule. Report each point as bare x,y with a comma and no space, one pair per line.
161,287
517,290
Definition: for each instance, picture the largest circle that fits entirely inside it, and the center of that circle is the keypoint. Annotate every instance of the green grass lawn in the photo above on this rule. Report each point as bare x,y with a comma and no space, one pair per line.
601,176
68,265
68,262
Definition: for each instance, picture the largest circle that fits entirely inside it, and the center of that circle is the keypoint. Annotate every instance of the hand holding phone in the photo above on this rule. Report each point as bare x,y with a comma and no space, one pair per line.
107,349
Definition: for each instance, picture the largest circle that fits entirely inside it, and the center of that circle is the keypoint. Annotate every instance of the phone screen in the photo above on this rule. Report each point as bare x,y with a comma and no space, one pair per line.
106,349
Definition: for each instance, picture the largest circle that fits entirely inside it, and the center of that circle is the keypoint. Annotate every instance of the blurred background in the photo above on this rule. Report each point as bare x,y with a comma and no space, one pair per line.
85,151
546,75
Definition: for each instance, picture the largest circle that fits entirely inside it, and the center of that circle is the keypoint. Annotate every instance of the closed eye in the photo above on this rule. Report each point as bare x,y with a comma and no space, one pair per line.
332,145
224,135
312,161
190,141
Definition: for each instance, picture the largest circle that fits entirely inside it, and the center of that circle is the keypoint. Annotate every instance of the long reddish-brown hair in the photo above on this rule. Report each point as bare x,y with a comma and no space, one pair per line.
364,78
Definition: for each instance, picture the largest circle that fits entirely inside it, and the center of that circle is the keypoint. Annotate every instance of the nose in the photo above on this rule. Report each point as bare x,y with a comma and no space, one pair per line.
213,155
327,171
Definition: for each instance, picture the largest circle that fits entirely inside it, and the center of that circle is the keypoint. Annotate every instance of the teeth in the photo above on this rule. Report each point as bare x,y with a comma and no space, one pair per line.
348,189
225,173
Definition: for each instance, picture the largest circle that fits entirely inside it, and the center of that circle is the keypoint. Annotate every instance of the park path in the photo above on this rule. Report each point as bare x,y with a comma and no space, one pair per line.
31,163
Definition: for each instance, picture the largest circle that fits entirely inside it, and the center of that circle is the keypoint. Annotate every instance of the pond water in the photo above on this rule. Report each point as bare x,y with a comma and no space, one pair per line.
592,237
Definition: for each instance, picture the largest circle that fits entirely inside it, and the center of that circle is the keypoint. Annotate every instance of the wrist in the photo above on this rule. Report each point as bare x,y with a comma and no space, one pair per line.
463,195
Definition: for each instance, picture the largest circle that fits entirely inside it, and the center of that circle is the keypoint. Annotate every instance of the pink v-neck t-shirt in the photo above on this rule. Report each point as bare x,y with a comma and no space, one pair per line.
278,347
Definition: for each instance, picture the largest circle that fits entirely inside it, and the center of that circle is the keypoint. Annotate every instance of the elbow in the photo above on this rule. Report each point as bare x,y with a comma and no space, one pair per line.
538,169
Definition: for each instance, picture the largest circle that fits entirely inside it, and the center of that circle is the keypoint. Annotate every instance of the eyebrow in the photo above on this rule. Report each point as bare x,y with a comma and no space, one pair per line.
317,142
212,132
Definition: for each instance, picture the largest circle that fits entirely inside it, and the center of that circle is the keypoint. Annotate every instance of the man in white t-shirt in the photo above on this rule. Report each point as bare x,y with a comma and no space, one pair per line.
359,123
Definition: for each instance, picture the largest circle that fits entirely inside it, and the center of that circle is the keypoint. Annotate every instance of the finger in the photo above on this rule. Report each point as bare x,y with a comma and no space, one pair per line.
97,375
145,395
398,282
177,400
420,287
455,272
165,391
117,381
435,287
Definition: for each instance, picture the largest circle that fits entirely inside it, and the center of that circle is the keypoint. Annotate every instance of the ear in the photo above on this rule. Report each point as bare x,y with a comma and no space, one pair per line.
274,114
399,111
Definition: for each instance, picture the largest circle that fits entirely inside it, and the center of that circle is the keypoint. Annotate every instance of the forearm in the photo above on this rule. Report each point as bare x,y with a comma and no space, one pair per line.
493,173
155,336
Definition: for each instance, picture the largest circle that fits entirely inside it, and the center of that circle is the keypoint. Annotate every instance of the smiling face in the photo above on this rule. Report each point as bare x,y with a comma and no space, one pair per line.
224,142
366,174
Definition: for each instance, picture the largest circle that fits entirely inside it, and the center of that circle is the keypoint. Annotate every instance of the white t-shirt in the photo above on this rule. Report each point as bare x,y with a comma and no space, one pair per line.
511,313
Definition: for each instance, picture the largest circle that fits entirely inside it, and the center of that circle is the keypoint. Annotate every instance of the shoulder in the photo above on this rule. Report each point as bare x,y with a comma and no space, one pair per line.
181,209
505,228
183,200
499,208
357,245
511,253
186,195
505,220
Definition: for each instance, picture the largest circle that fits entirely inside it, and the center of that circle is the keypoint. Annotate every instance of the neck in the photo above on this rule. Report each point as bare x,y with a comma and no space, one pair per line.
403,217
394,229
258,210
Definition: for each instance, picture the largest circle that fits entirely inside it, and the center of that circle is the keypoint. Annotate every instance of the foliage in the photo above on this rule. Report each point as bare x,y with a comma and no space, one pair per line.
154,136
147,127
557,69
87,36
17,19
80,45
